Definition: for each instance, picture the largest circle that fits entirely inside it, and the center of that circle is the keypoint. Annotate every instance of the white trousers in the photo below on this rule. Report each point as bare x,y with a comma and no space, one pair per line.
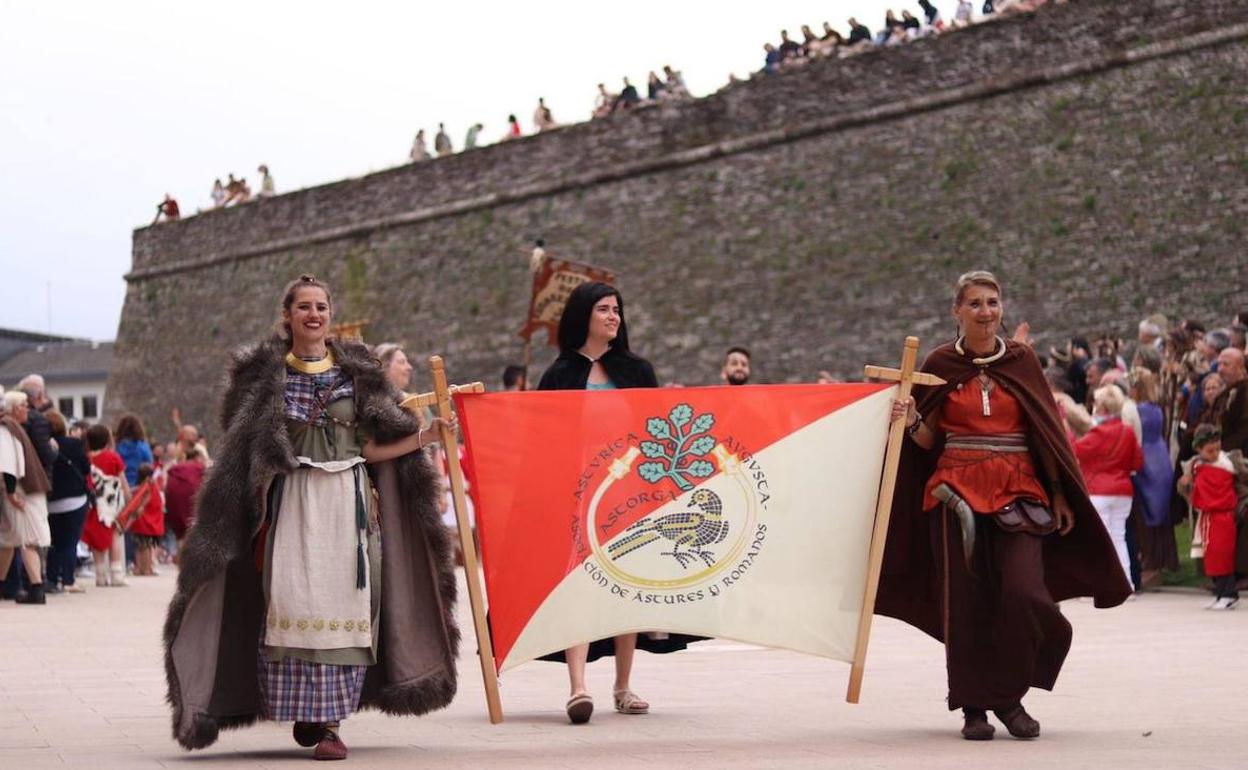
1114,510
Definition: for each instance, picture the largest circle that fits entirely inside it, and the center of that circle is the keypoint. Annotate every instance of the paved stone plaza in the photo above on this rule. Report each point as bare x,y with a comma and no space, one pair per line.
1157,683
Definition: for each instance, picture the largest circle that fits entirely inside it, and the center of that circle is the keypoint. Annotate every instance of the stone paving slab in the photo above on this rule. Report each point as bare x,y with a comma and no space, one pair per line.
1158,682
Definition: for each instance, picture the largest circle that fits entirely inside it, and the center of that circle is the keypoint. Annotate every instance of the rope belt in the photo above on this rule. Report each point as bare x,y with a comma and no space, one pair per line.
988,442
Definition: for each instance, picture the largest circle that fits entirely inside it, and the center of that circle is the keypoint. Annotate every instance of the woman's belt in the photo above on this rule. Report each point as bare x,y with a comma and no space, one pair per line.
988,442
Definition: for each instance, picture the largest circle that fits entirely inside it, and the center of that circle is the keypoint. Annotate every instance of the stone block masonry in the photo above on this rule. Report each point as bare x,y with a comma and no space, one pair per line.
1094,155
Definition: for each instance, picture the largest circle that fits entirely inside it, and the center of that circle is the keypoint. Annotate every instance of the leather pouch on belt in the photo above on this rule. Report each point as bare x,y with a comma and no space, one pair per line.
1024,515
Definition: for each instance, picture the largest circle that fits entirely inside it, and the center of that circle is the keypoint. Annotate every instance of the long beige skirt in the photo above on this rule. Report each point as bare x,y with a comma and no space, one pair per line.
26,527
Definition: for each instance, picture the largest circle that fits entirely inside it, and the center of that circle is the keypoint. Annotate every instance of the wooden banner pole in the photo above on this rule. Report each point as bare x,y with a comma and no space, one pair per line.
450,443
528,357
883,509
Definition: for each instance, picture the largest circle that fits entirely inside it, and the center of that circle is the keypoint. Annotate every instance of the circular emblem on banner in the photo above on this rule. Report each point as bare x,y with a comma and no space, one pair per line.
707,522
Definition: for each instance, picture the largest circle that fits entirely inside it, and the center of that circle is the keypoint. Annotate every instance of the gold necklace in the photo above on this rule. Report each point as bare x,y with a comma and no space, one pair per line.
310,367
996,356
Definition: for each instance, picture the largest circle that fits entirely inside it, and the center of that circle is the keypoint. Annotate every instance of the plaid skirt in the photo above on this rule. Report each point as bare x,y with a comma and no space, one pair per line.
301,691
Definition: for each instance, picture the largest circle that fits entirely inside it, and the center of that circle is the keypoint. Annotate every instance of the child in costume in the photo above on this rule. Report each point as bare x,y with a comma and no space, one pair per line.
1210,482
148,521
100,533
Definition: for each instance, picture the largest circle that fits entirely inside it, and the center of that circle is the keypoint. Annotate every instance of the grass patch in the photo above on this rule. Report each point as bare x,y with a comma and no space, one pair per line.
956,170
1191,572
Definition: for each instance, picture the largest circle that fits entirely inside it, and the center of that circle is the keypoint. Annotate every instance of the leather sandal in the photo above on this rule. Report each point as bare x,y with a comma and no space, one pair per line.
580,708
975,726
1018,721
627,702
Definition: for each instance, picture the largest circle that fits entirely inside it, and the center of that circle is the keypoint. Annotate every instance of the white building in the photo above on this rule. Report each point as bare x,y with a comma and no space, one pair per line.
75,372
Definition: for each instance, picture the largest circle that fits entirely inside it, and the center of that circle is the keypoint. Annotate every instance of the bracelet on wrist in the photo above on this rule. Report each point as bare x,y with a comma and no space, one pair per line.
913,429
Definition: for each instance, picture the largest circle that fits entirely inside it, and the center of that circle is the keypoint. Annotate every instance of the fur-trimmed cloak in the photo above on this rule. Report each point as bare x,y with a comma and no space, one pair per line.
212,632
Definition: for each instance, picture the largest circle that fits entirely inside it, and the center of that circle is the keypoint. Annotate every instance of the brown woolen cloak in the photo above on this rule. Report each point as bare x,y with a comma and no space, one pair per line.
1081,563
212,630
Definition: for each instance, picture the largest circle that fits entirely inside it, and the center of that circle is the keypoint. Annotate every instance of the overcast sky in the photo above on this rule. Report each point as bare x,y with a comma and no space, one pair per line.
105,106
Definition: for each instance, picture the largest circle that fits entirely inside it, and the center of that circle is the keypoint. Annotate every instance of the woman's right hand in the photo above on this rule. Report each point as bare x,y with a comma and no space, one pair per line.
433,434
15,501
905,409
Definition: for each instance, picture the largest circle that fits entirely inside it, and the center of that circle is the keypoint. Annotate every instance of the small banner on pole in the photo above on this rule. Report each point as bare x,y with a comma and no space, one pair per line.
741,513
553,280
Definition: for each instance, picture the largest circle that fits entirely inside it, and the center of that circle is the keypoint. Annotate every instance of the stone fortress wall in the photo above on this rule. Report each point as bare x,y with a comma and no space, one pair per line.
1093,154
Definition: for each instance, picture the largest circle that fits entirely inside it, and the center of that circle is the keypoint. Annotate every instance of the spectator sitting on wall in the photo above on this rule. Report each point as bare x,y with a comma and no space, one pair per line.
772,62
470,139
675,84
267,188
962,16
830,41
858,33
442,142
236,191
420,150
603,101
932,15
654,87
543,120
513,128
891,23
627,99
218,193
912,24
810,42
788,48
168,208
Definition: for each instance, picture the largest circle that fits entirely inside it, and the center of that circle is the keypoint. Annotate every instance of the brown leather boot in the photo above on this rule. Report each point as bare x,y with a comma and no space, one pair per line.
975,725
1018,721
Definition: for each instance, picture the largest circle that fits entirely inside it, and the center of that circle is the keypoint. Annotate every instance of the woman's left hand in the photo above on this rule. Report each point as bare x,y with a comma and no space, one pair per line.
1065,516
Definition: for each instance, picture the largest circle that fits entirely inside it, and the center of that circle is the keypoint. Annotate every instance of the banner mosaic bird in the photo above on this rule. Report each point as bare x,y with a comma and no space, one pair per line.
693,529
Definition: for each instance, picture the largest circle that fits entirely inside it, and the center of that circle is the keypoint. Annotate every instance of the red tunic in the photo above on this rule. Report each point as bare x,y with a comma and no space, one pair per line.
1213,494
97,536
986,480
151,520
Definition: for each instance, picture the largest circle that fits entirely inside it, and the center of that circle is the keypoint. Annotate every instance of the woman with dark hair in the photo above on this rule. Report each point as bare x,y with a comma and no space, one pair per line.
991,523
285,609
67,506
132,446
594,355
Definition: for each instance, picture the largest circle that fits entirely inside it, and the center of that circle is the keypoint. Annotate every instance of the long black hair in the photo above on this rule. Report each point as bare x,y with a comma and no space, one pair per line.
574,324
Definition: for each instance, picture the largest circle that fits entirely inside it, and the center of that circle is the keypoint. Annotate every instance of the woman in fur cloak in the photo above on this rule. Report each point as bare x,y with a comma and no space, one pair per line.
285,608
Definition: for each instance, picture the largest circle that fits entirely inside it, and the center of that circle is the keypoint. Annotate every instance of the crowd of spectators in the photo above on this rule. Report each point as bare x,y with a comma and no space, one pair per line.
1174,391
896,30
87,500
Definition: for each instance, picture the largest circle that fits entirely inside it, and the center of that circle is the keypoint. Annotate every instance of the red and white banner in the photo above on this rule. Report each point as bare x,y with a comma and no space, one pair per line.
735,512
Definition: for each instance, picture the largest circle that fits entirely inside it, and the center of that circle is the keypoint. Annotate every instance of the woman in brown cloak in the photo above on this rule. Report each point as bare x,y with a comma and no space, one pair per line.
991,522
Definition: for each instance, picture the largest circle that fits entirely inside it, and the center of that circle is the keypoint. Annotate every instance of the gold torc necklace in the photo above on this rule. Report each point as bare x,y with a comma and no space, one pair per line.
311,367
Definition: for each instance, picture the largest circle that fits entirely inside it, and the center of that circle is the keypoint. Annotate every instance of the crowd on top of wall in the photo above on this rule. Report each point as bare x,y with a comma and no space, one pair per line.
787,54
897,30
